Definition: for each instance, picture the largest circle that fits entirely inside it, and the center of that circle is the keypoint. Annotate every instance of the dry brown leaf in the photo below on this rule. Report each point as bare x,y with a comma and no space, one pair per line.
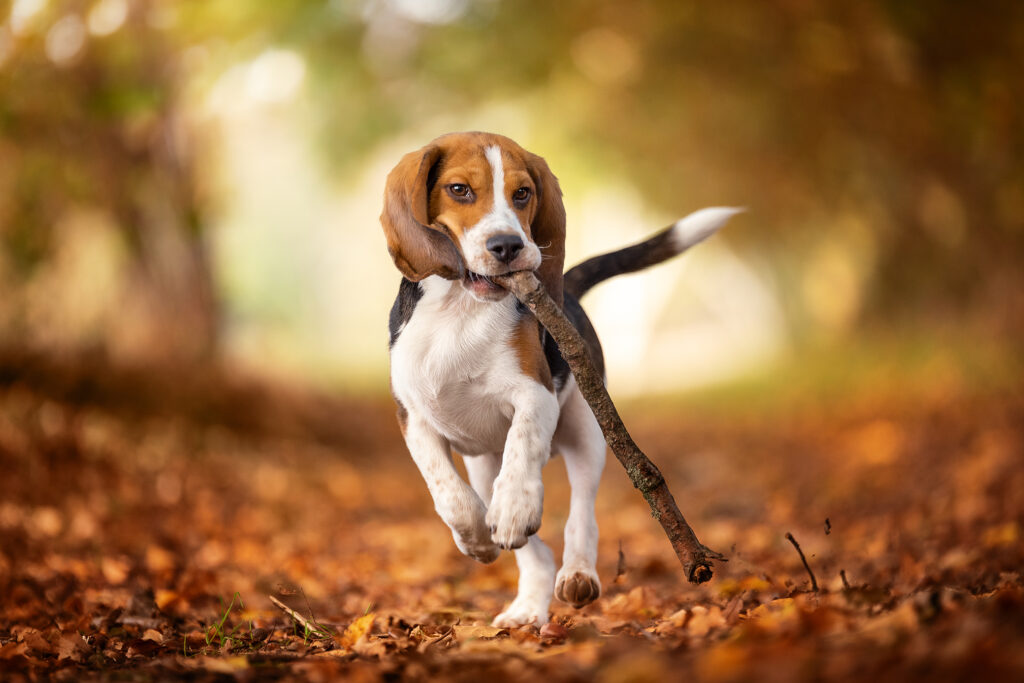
465,632
553,631
37,644
232,665
370,647
153,635
703,620
167,600
11,650
637,603
72,646
356,631
115,570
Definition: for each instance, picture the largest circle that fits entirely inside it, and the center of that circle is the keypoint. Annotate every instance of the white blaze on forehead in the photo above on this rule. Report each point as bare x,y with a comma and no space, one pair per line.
500,220
493,154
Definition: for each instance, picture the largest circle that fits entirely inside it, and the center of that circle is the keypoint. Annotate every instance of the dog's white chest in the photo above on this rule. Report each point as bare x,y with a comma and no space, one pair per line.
453,365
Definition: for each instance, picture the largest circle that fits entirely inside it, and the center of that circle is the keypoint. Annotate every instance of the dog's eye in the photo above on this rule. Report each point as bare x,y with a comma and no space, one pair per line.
521,195
459,189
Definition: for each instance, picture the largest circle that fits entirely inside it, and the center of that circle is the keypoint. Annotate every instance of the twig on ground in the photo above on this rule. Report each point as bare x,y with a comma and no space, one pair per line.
842,575
814,581
694,556
312,617
310,626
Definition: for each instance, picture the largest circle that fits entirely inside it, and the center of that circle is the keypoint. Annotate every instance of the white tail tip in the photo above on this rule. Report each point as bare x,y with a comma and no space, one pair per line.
700,225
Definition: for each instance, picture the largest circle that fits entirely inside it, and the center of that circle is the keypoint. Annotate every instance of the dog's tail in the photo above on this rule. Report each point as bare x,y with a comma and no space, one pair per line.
675,239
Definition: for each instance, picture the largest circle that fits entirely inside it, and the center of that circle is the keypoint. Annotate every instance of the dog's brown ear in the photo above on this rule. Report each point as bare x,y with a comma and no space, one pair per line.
548,226
418,249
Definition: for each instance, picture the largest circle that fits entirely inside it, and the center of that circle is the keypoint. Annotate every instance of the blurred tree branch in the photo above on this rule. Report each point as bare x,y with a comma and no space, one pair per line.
887,137
104,133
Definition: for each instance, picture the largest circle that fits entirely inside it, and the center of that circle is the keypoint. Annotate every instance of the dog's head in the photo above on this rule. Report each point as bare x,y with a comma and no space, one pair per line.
471,205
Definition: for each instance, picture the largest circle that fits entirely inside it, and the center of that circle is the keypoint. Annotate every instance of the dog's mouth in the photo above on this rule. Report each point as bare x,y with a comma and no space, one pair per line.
481,285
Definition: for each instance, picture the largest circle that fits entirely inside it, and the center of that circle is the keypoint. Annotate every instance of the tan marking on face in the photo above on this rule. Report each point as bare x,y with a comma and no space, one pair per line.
516,176
530,352
464,161
466,165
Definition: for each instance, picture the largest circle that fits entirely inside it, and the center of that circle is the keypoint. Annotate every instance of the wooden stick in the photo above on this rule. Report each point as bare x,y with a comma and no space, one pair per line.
694,556
310,626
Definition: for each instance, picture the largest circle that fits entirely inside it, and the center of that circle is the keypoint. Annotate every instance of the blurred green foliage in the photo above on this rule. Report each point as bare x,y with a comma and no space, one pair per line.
876,143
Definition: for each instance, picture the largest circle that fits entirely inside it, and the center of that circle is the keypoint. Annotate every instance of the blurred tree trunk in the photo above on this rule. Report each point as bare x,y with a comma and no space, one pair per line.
172,309
103,133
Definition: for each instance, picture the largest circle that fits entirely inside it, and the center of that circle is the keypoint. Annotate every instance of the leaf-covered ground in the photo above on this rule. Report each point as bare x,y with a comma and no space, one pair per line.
142,544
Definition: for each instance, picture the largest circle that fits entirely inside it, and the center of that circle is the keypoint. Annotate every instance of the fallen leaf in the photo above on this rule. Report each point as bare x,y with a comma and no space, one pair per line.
154,635
225,665
477,631
73,647
370,647
703,620
553,631
584,632
356,630
12,650
37,644
114,570
169,601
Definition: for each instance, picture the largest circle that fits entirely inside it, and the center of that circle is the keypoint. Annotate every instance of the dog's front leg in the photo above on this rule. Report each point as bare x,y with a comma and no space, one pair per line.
456,503
518,498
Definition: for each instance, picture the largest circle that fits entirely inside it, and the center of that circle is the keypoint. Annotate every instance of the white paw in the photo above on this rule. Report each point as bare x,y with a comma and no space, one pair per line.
577,586
478,546
515,512
465,516
524,610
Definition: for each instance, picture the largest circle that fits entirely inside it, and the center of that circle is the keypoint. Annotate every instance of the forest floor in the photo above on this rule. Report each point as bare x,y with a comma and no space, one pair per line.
146,544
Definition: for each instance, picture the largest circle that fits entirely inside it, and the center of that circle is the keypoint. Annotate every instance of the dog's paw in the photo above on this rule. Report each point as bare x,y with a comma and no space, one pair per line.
479,547
524,610
465,516
577,586
515,511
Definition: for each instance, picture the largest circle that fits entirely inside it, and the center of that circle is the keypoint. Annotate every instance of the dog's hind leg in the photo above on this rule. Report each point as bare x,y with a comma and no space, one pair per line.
581,443
536,579
482,470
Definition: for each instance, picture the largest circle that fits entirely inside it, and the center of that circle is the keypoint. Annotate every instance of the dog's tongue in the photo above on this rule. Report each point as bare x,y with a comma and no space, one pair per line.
481,283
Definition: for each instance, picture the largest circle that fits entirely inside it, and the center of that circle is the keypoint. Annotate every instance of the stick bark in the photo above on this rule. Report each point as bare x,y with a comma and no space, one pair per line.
646,477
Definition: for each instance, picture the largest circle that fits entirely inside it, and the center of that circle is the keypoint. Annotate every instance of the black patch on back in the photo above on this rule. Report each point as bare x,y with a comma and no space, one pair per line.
409,294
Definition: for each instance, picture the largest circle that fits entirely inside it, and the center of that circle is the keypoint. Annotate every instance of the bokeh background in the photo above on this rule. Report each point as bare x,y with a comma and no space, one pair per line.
183,182
194,290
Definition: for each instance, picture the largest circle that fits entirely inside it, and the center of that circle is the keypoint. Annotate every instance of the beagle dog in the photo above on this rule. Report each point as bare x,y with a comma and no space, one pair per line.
473,371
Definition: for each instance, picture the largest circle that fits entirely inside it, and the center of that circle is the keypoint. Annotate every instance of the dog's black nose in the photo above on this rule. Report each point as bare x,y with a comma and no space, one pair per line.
505,247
